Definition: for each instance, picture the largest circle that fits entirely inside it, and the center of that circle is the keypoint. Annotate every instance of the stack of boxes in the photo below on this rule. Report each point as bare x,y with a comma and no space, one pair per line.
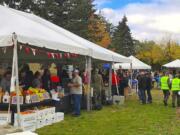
27,121
45,117
39,119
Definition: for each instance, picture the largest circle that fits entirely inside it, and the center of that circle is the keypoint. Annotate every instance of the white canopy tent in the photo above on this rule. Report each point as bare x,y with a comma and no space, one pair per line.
136,64
19,27
36,31
33,33
173,64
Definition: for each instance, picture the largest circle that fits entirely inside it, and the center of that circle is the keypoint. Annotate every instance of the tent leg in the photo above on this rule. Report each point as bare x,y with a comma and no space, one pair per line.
110,81
89,65
131,75
15,76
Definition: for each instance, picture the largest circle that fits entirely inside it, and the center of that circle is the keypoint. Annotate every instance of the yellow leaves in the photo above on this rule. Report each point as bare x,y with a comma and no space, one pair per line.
156,54
172,50
159,54
105,41
99,32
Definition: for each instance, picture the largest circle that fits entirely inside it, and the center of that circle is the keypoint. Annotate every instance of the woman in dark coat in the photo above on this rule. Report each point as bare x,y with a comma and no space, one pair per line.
37,82
46,80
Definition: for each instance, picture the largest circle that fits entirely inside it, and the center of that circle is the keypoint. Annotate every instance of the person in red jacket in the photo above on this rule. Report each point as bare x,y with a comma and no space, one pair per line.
115,83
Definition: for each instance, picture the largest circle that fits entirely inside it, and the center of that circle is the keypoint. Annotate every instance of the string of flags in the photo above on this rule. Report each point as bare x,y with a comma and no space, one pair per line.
53,55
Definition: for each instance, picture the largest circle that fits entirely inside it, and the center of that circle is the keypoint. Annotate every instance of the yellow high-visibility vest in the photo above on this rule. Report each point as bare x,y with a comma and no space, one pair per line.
164,83
175,84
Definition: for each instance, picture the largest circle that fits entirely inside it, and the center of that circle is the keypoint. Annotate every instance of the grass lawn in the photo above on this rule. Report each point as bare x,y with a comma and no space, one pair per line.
129,119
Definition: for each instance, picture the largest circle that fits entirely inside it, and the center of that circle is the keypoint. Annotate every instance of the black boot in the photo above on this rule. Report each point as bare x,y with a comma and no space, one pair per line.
165,103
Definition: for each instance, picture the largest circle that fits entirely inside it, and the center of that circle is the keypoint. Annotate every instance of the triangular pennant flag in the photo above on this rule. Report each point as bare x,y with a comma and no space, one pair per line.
27,50
57,55
33,51
49,55
20,47
66,55
4,49
52,55
73,55
60,54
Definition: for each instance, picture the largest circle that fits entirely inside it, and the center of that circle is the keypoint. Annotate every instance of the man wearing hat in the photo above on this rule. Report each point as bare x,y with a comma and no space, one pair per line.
175,87
76,91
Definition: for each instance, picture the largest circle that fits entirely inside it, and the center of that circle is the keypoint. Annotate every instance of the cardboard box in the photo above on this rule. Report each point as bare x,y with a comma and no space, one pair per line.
51,110
35,98
14,100
27,121
118,100
53,118
5,118
29,128
48,121
46,112
59,116
40,114
40,123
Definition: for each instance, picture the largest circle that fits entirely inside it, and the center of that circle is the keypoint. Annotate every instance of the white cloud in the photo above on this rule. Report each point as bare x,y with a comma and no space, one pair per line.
100,3
149,20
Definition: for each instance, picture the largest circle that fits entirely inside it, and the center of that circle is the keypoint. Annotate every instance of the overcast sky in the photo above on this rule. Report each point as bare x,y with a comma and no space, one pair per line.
148,19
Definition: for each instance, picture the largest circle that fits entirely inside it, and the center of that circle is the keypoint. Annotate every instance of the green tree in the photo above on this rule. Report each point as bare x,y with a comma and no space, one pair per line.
122,41
52,10
73,15
80,17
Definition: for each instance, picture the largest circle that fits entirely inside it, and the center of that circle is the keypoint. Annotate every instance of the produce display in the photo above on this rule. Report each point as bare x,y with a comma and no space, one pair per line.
32,95
36,94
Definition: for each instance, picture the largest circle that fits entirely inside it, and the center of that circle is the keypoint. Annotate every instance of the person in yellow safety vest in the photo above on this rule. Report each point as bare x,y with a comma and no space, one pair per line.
175,88
165,87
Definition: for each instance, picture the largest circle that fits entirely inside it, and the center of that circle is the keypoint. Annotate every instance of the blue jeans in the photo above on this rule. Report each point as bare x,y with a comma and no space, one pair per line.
142,95
149,98
77,103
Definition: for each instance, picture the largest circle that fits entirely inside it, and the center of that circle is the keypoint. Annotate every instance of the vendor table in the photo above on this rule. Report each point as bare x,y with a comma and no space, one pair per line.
61,106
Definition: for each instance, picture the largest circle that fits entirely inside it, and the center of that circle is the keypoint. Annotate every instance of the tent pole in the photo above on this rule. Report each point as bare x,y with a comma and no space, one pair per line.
16,76
110,81
131,75
89,66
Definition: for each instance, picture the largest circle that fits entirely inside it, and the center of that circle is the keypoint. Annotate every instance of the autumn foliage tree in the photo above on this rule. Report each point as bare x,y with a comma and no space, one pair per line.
157,54
98,31
171,51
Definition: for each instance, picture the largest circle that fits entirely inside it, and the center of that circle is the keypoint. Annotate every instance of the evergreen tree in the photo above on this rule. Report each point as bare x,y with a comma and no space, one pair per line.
77,16
122,41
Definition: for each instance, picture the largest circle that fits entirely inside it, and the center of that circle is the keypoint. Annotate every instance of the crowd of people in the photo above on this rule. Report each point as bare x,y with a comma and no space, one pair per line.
166,81
145,81
144,87
170,84
75,83
44,80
